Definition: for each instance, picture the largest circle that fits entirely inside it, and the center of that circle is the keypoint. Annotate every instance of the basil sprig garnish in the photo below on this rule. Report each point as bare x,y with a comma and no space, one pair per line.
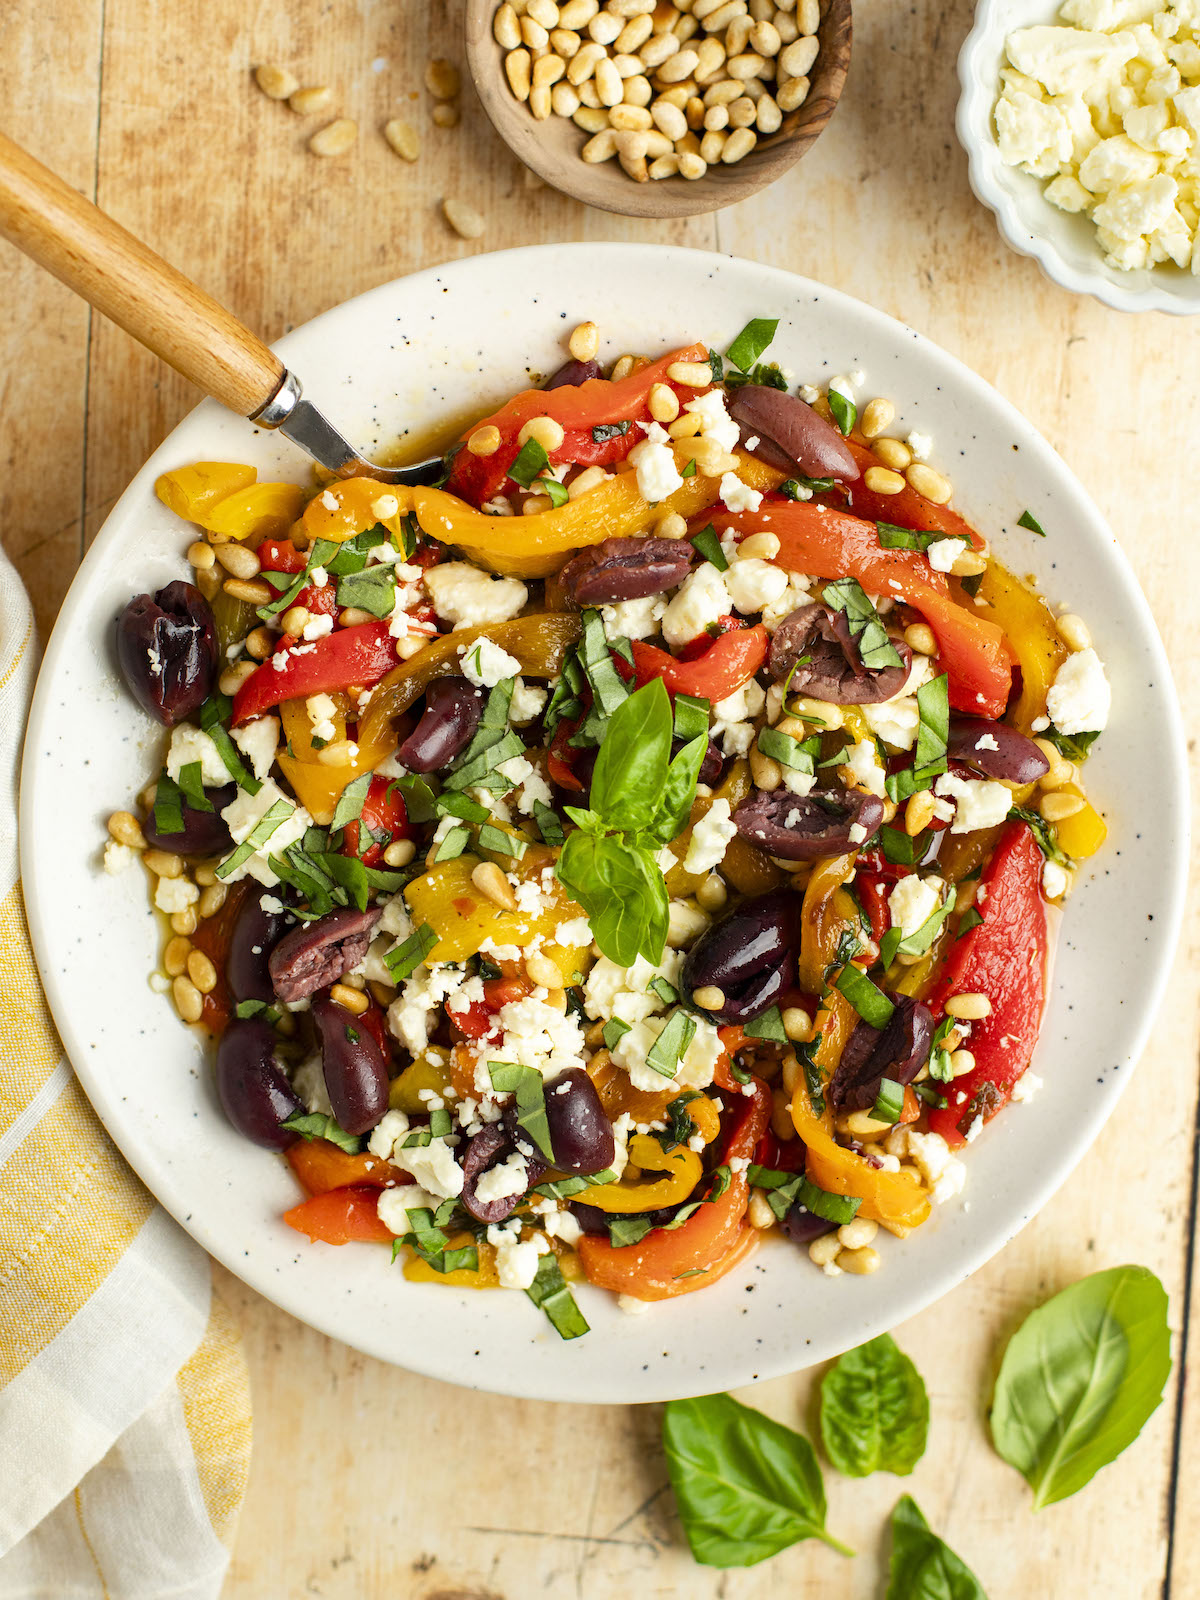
874,1411
640,800
874,646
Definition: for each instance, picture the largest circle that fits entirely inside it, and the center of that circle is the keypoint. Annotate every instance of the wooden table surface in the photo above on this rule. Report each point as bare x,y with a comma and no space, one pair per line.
368,1481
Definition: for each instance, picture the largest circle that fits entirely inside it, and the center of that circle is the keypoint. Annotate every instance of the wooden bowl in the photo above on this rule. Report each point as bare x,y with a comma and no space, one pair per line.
551,148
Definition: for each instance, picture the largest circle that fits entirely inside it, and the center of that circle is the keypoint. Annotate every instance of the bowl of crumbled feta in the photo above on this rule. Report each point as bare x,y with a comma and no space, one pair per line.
621,875
1082,128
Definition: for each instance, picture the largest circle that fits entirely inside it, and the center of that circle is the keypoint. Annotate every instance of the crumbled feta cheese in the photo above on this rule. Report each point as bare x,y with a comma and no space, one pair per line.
318,627
1079,699
863,761
1054,880
696,1069
562,1225
539,1036
517,1261
575,934
189,744
485,664
632,1306
736,495
434,1168
685,923
387,1132
754,585
258,741
243,814
527,703
701,600
308,1080
913,901
715,421
710,839
979,803
118,857
943,1172
943,553
422,996
175,894
469,598
921,445
393,1206
501,1182
657,474
632,619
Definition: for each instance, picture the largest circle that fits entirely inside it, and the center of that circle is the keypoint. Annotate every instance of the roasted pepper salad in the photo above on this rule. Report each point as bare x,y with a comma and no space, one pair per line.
635,842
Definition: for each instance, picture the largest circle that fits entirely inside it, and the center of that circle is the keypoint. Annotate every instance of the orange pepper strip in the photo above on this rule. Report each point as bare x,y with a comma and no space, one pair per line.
833,544
320,1166
342,1216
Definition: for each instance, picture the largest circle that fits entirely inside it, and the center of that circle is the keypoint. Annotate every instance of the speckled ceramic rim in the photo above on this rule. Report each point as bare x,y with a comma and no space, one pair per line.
428,346
1063,246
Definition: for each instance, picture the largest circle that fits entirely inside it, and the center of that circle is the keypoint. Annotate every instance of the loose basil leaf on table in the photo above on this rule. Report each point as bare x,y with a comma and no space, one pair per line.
874,1411
746,1486
1080,1378
923,1566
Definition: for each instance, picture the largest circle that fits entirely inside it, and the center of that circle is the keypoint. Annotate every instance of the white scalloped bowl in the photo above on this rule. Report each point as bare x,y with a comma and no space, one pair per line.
423,350
1064,246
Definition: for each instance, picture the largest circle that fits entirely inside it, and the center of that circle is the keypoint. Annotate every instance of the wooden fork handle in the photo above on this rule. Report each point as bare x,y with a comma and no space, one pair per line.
120,276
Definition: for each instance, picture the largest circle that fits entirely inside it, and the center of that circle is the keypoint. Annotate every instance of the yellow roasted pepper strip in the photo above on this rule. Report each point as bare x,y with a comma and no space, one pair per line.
1029,628
462,917
342,510
1082,833
539,642
418,1271
224,498
534,547
682,1170
821,923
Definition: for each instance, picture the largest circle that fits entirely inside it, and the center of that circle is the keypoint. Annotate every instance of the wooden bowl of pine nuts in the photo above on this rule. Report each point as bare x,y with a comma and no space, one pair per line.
659,108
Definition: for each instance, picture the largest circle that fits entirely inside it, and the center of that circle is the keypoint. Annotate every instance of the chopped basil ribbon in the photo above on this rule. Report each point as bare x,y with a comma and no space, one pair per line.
549,826
315,1125
752,343
806,1054
192,784
893,538
672,1044
493,724
404,960
785,1189
420,802
350,802
608,686
481,773
461,806
708,546
567,1188
549,1292
680,1127
1075,746
556,491
939,1056
322,552
259,1008
427,1240
839,1208
971,918
168,805
896,942
604,431
1028,520
509,1077
214,719
874,645
565,701
872,1005
933,732
900,849
845,412
1043,833
530,463
716,366
802,488
624,1231
689,470
614,1031
665,992
691,717
798,754
889,1102
372,590
266,825
455,842
506,844
768,1025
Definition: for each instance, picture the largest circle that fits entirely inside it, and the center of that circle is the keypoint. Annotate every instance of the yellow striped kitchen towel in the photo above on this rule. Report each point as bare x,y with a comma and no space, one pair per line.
124,1401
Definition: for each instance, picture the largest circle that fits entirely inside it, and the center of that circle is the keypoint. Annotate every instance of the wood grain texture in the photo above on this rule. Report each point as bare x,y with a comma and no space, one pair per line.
368,1481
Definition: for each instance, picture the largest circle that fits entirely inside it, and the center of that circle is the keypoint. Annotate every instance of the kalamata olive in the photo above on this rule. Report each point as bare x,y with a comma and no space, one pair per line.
626,569
581,1135
255,1093
572,373
791,436
748,953
824,822
167,648
897,1051
452,711
803,1226
712,765
204,832
356,1075
316,954
995,750
491,1147
813,652
255,934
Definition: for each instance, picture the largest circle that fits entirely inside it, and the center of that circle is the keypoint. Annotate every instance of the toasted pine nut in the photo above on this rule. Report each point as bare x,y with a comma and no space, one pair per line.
184,921
353,1000
929,483
484,441
796,61
584,482
577,13
808,15
235,675
164,863
638,91
584,342
708,997
623,365
693,374
294,621
821,712
200,554
663,403
712,893
125,829
535,504
797,1024
961,1062
1058,806
785,26
276,82
335,139
545,430
759,1213
768,119
919,636
716,118
968,1007
175,956
758,547
876,416
738,145
543,11
260,643
533,34
854,1235
506,30
354,617
712,147
252,592
1060,772
463,218
541,970
441,79
969,564
208,581
564,42
860,1262
792,93
741,113
692,165
737,34
658,49
679,66
588,118
687,426
864,1126
893,453
765,770
518,69
918,813
1073,631
629,119
493,885
399,853
608,83
882,480
671,526
308,101
237,560
212,899
824,1251
189,1002
602,147
201,971
584,63
446,113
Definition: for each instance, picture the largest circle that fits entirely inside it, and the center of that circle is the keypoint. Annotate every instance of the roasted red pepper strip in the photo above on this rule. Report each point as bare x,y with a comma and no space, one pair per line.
347,656
578,410
383,812
1003,957
833,544
340,1216
670,1262
908,509
726,665
281,555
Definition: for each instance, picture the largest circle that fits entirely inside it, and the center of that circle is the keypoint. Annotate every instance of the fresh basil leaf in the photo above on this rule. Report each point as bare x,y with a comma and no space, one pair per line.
971,918
691,717
716,366
874,645
480,772
900,849
845,412
168,805
555,491
627,780
746,1486
608,686
665,991
895,942
933,731
509,1077
680,1127
614,1031
870,1002
350,802
1075,746
1043,833
192,784
708,547
678,792
549,826
349,874
839,1208
924,1567
894,538
798,754
500,843
806,1054
1080,1378
752,343
461,806
624,1231
672,1044
420,801
1028,520
404,960
317,1125
689,469
802,488
889,1102
767,1025
549,1292
214,719
604,431
623,893
452,846
874,1411
531,461
372,590
257,1008
266,825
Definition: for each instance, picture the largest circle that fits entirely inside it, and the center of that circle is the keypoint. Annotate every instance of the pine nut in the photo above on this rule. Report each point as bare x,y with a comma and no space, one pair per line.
796,61
745,66
785,26
205,875
882,480
692,374
969,564
759,1213
294,621
893,453
584,482
608,83
506,30
125,829
547,70
518,69
211,900
583,343
710,62
623,365
679,66
737,35
823,1251
308,101
705,8
741,112
634,35
708,997
463,218
862,1125
235,675
765,770
716,118
769,118
605,28
860,1262
276,82
591,120
202,972
968,1007
354,617
663,403
208,581
442,79
629,119
399,853
659,49
876,416
338,754
583,63
689,145
961,1062
602,147
353,1000
821,712
335,139
446,113
919,636
577,13
545,430
854,1235
493,885
1073,631
484,441
184,921
764,38
671,526
759,547
252,592
808,15
797,1024
668,118
535,504
260,642
637,91
929,483
175,956
1058,806
200,554
543,11
792,93
564,42
1060,772
164,863
533,34
631,8
738,145
189,1002
238,560
541,970
918,813
692,165
723,94
712,893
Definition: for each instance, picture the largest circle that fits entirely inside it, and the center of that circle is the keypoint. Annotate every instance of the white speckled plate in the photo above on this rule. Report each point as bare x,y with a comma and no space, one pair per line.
426,347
